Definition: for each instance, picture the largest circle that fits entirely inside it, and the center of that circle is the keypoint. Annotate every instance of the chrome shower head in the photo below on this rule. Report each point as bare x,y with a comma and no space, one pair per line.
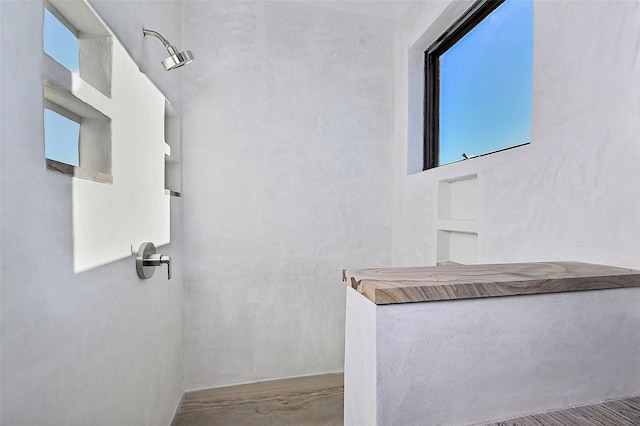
176,59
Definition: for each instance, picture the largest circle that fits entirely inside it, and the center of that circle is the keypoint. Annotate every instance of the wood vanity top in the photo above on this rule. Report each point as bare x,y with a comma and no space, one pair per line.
433,283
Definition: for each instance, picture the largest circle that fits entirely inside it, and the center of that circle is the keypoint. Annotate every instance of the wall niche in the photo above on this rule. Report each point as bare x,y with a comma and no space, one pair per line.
457,227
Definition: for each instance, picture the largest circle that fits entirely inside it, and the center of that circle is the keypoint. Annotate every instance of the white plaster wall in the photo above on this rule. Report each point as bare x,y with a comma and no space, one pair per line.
475,361
99,347
360,363
286,179
573,192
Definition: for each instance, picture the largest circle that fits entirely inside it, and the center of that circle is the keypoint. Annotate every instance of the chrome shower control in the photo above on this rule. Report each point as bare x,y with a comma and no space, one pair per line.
147,259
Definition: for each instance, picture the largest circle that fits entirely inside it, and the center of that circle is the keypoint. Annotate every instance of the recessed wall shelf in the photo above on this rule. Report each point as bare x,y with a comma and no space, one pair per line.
172,169
457,227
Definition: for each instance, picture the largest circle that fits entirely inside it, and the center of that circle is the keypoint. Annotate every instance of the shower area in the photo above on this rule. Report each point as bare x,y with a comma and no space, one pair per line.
285,152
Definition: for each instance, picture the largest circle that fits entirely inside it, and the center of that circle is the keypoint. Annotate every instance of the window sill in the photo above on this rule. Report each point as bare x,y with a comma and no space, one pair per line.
78,172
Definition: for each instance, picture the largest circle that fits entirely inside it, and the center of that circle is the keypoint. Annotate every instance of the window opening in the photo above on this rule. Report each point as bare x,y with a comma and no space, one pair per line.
61,42
61,137
479,83
77,133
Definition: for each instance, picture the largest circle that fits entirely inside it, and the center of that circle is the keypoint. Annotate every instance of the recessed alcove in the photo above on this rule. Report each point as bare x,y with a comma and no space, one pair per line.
457,229
93,144
95,43
77,85
172,173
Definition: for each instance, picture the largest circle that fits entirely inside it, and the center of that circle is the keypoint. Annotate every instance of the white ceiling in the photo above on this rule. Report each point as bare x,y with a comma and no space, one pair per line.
390,9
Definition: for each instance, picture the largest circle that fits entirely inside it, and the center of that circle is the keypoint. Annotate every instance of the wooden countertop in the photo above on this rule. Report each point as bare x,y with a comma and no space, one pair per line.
451,282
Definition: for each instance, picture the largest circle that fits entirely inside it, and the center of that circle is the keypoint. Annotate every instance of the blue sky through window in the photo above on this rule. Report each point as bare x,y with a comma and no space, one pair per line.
486,85
61,137
60,43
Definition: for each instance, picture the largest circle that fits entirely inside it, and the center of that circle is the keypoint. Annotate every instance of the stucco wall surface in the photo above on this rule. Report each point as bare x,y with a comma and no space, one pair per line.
572,194
287,180
474,361
100,347
360,363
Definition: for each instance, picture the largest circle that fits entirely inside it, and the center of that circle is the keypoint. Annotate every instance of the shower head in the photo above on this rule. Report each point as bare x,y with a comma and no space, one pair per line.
176,59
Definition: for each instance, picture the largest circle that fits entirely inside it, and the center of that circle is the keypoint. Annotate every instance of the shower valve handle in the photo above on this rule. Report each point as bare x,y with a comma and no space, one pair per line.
158,259
148,259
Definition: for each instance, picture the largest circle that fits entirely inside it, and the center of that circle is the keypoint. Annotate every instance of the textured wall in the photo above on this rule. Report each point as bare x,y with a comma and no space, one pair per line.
99,347
287,180
478,360
360,369
573,192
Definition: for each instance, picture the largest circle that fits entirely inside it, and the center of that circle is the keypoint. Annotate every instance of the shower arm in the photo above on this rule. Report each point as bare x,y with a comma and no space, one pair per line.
171,48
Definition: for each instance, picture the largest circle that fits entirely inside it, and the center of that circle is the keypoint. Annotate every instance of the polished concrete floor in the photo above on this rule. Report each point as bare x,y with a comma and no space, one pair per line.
312,401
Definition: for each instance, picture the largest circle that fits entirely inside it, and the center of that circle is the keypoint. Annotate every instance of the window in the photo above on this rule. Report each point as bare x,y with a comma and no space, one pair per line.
76,91
60,42
478,85
61,136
